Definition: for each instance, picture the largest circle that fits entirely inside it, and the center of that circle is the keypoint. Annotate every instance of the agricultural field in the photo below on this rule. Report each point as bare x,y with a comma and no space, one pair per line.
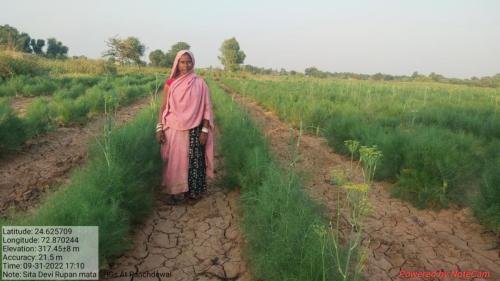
33,102
316,178
440,142
250,141
72,115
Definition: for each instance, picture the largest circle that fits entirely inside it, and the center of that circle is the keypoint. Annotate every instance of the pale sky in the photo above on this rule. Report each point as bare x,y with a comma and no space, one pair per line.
456,38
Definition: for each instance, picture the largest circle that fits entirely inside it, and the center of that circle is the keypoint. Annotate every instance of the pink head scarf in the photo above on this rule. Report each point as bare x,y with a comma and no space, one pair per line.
178,56
188,99
188,104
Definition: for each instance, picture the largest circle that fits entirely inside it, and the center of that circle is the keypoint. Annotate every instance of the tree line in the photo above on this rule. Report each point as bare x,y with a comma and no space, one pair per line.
12,39
231,56
130,50
486,81
121,51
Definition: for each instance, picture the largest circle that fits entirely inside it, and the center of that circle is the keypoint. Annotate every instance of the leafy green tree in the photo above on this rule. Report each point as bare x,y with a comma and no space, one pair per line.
231,55
313,71
8,37
24,43
378,76
11,39
157,58
125,51
436,77
134,50
55,49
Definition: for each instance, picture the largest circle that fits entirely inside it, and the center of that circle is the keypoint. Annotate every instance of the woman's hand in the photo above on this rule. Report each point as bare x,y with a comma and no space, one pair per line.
160,137
203,138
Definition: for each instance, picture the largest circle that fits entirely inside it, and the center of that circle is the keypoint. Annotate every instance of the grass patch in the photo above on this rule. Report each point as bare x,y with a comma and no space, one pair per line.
11,132
486,204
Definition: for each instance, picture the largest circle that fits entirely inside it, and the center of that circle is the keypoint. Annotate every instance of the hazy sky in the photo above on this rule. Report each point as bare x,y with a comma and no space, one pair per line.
452,37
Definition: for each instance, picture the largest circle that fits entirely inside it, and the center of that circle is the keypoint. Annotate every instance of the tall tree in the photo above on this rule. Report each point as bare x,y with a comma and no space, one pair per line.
23,42
125,51
55,49
11,39
231,55
8,35
157,57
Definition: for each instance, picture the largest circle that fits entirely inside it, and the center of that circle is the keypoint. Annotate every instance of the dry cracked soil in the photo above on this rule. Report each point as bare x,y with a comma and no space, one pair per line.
45,161
198,241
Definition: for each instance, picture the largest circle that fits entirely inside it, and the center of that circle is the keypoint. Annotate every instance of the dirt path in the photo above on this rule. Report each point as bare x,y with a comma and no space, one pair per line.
45,161
400,236
187,242
20,104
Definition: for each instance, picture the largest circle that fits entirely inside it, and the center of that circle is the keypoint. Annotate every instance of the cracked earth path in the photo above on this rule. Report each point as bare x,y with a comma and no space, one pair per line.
398,236
187,242
45,161
20,104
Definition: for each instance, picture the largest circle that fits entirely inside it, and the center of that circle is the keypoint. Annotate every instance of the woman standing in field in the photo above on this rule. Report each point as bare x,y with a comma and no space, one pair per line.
185,131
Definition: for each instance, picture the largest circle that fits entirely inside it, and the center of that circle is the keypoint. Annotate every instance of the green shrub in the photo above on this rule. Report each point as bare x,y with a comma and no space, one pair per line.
12,132
127,94
93,99
67,111
73,92
13,64
39,86
38,117
438,167
17,83
7,90
486,203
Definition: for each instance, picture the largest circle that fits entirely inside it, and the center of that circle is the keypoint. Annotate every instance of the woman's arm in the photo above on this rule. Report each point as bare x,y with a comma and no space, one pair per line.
207,109
163,102
207,116
205,123
160,137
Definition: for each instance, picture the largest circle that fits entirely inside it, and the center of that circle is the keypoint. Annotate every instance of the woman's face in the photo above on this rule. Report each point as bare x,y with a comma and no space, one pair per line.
185,64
